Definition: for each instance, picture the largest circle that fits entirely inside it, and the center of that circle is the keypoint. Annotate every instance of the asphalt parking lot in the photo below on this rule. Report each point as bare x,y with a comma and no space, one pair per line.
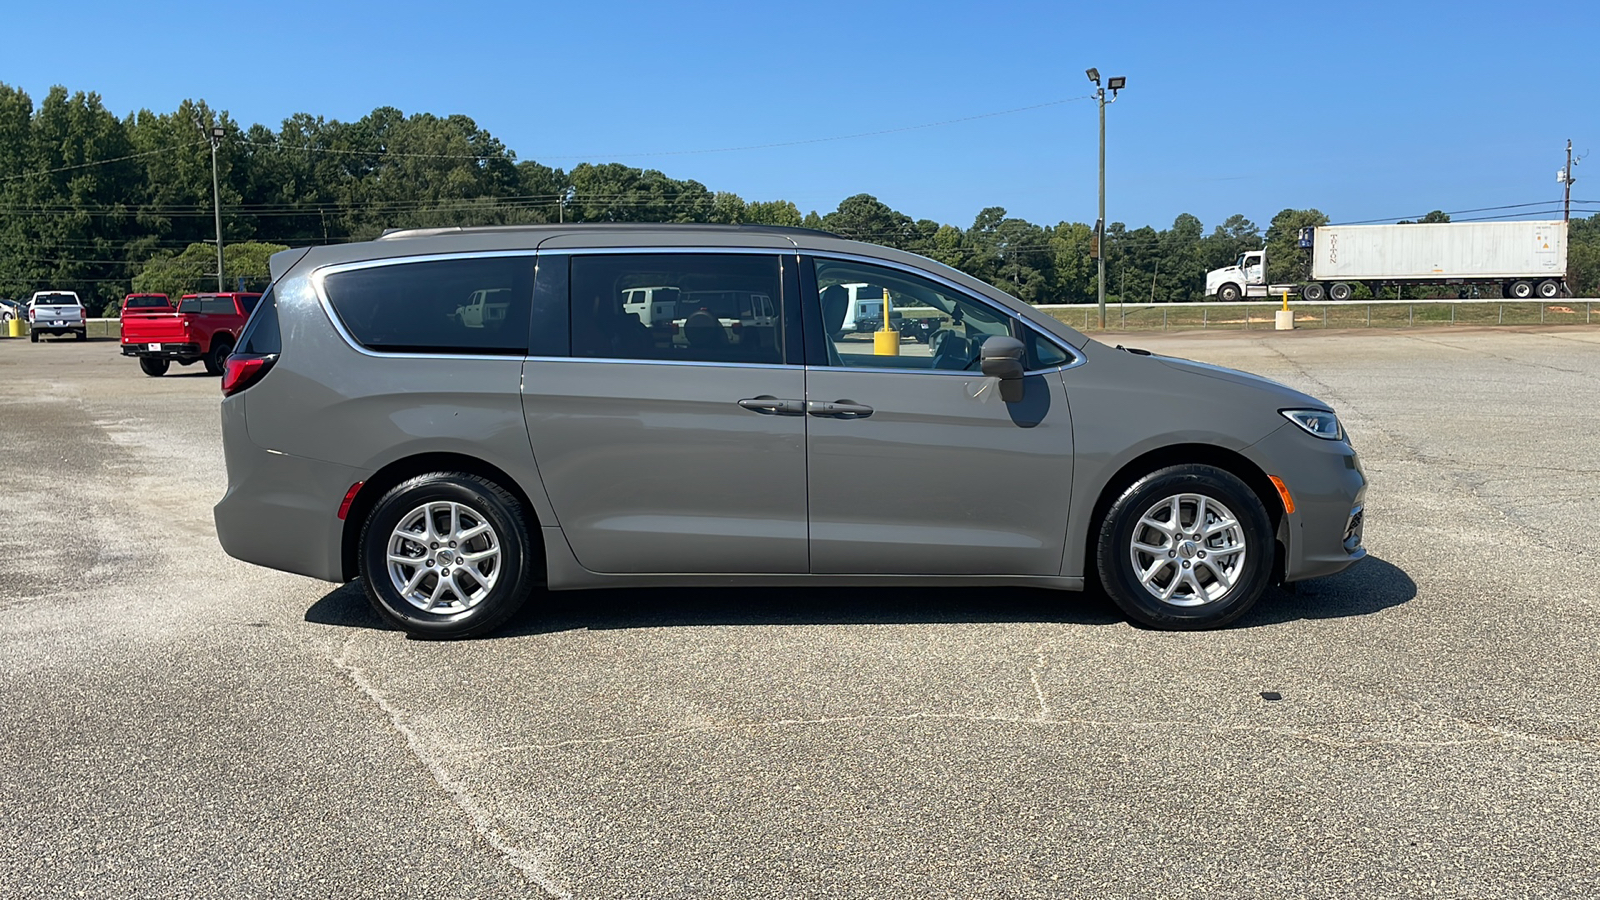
176,723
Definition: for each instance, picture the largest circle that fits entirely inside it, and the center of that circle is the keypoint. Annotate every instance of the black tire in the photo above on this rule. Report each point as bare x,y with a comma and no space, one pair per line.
81,335
1520,290
1228,293
1313,292
1340,292
1549,289
33,336
154,366
1115,554
518,572
217,358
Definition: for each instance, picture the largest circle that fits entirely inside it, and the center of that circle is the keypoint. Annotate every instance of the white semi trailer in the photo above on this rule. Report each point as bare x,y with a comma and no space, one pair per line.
1522,260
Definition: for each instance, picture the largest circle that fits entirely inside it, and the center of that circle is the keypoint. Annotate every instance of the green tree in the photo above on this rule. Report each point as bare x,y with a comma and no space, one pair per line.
1286,262
1583,256
865,218
773,212
1074,268
193,270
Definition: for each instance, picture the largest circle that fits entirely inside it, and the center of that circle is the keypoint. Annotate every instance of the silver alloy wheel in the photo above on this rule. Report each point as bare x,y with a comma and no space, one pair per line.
1188,550
444,557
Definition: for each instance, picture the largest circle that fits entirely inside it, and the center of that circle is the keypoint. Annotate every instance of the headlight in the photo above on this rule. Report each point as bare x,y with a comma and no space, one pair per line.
1317,422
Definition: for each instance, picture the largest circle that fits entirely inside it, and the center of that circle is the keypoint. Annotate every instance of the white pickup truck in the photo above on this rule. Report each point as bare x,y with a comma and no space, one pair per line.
56,312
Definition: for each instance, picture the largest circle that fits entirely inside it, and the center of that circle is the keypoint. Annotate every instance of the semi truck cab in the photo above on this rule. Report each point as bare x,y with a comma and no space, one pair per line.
1245,278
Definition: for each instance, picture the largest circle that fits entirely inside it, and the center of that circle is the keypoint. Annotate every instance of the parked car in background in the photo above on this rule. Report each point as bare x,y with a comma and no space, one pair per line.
205,328
56,313
9,309
458,470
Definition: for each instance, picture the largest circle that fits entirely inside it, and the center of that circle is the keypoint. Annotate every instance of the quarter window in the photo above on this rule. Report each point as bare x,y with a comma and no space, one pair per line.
473,306
693,307
261,336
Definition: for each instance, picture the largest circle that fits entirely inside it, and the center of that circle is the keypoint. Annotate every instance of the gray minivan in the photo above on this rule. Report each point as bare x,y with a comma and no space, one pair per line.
458,467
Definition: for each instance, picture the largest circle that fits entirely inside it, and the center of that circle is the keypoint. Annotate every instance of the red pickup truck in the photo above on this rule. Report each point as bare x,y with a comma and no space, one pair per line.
205,327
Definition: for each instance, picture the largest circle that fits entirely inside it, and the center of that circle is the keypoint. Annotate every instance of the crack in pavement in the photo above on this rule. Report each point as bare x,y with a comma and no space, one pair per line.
1500,735
481,819
1505,359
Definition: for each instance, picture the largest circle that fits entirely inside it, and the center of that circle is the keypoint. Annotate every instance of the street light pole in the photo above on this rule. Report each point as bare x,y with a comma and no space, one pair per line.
1115,84
1100,93
216,204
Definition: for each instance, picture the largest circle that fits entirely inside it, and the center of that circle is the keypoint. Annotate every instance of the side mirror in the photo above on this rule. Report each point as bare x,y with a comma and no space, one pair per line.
1002,358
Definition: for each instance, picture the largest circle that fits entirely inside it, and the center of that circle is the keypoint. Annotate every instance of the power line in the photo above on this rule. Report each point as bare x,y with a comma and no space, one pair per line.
100,162
1390,219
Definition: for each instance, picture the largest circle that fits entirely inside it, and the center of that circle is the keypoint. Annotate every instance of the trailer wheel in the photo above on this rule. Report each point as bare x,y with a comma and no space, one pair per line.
1549,289
1313,292
1228,293
1520,290
1340,291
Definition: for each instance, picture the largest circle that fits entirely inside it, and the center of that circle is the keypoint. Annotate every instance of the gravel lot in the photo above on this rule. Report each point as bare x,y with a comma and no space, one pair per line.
179,724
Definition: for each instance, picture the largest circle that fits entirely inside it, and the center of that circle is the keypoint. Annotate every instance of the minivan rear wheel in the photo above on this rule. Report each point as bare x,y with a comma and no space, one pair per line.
1185,548
447,555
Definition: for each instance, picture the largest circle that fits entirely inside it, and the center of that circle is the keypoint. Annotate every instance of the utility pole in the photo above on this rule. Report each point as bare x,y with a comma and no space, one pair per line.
1565,177
1115,84
215,136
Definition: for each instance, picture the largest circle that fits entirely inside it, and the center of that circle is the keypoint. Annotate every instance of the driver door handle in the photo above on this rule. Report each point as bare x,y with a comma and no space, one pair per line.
768,405
839,409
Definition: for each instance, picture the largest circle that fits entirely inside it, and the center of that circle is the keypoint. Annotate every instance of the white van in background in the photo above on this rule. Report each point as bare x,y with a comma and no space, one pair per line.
866,308
653,305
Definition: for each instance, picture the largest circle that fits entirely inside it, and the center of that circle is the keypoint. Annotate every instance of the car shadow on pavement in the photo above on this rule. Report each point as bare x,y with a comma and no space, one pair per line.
1369,587
551,612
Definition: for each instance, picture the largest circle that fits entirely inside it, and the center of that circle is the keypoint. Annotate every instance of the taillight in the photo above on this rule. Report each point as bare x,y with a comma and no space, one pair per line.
243,371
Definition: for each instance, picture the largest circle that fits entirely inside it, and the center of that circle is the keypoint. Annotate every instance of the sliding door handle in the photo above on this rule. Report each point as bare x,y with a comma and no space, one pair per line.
839,409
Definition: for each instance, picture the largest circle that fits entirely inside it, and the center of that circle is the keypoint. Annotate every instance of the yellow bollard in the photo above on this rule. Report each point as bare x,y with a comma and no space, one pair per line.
886,340
1285,318
14,328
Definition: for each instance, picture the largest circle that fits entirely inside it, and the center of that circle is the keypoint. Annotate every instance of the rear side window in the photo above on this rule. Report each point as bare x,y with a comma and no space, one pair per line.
713,307
211,306
476,306
261,336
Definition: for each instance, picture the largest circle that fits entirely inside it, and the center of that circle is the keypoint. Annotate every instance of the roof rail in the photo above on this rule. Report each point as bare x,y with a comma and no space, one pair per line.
401,233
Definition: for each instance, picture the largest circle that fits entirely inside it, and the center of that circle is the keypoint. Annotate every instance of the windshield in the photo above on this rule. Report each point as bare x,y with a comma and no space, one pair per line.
137,302
56,300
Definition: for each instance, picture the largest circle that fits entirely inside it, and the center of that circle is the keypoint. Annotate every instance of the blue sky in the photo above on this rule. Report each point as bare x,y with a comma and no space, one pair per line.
1364,110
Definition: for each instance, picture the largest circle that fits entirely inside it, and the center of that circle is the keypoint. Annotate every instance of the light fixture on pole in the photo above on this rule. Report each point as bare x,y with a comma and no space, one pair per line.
1114,84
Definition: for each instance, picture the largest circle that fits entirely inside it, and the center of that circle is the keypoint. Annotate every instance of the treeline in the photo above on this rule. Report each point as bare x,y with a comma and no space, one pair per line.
97,203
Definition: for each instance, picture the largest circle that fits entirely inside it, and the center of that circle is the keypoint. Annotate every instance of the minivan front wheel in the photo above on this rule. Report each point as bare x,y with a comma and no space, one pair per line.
1186,547
447,555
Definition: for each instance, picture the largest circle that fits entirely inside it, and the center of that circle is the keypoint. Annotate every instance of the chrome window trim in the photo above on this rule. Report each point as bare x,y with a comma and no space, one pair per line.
318,276
970,373
660,362
1074,358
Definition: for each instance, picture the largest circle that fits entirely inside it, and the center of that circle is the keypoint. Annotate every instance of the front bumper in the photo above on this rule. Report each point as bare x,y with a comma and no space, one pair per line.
1324,533
163,350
